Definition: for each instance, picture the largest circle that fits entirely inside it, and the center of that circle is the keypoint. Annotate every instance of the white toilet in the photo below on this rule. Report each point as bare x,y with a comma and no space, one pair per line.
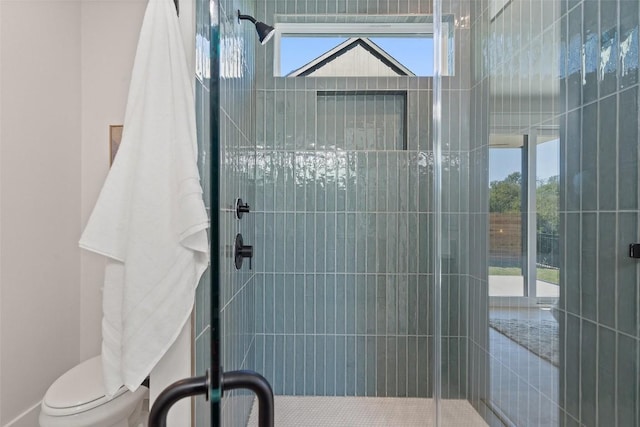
77,399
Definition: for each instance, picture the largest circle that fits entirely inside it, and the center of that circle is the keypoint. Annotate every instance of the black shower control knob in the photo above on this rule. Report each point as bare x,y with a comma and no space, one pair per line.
634,250
242,251
241,208
246,251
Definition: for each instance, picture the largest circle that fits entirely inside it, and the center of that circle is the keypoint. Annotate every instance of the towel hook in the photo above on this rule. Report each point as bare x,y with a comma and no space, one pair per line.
177,7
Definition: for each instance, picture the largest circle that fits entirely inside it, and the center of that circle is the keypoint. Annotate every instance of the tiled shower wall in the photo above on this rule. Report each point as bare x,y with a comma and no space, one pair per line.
229,129
600,367
344,305
344,270
515,93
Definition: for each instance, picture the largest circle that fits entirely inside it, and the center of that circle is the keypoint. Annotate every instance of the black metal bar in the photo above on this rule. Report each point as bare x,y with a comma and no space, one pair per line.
177,7
170,395
524,213
260,386
211,29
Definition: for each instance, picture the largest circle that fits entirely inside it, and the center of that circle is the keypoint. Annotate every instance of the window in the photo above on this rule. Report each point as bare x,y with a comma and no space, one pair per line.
358,49
524,215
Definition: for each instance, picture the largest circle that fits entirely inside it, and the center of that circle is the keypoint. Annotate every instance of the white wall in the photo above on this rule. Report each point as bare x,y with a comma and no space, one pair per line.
39,199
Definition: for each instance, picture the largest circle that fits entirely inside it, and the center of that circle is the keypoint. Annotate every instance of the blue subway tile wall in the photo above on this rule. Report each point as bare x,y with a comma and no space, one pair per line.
600,179
235,141
373,122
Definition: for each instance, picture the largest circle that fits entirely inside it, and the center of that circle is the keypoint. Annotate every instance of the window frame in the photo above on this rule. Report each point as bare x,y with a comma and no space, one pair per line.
283,29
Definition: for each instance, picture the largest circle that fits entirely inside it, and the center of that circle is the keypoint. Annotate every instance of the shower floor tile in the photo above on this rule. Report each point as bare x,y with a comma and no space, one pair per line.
315,411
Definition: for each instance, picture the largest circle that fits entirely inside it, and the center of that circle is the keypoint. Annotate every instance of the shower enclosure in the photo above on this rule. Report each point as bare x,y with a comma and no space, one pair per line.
459,242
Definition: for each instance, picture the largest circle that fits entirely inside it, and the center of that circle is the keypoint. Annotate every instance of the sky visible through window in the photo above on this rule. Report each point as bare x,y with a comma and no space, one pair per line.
415,53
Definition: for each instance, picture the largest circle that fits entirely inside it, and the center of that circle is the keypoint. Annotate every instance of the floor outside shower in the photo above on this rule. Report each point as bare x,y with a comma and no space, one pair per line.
524,387
348,411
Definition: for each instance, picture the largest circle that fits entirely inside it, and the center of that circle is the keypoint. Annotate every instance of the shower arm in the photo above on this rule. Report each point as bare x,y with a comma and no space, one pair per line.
247,17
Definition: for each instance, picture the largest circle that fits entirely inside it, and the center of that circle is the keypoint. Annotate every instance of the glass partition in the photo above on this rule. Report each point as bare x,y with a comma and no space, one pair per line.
546,125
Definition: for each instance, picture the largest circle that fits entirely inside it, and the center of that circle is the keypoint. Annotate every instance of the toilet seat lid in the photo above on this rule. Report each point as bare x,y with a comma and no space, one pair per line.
80,388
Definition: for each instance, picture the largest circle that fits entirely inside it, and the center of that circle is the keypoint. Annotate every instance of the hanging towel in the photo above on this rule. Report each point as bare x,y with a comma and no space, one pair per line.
150,220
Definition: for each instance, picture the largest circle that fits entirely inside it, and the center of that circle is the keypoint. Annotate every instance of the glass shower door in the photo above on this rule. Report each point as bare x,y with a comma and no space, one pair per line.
539,282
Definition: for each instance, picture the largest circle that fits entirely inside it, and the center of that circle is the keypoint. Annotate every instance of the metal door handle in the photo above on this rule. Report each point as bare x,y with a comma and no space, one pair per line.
259,385
200,385
177,391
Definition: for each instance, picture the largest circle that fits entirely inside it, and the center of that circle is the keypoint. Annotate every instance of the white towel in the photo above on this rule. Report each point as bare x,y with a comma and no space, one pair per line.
150,220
